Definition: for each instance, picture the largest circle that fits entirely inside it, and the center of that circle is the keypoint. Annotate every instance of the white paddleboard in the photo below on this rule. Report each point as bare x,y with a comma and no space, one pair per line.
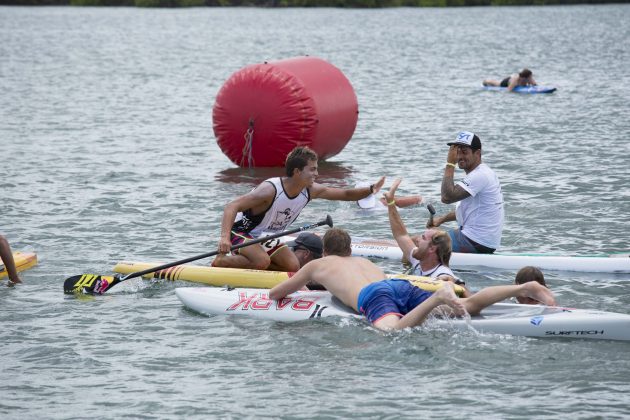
614,263
500,318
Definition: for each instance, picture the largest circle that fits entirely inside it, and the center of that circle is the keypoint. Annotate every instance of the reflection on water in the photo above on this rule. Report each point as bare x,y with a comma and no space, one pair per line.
330,173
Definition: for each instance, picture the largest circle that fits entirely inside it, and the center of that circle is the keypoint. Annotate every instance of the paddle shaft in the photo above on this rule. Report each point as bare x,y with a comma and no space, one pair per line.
327,221
432,212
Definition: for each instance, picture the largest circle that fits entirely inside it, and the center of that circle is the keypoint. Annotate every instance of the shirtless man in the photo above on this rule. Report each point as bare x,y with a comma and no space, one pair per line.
271,207
524,78
391,304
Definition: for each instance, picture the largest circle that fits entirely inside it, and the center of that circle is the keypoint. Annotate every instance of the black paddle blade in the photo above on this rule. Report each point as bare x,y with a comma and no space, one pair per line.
91,284
431,209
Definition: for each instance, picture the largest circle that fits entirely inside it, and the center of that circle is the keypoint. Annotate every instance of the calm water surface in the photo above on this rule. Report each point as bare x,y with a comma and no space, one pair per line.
108,152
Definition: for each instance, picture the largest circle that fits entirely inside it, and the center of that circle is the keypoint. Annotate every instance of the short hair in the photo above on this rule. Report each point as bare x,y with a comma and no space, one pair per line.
442,241
529,273
298,158
525,73
337,242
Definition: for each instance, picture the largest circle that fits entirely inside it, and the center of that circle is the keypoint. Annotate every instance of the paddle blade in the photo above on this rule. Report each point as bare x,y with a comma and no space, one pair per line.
91,284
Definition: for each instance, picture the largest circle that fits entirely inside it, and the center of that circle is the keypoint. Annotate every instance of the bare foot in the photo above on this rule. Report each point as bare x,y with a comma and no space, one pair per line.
538,292
14,280
446,296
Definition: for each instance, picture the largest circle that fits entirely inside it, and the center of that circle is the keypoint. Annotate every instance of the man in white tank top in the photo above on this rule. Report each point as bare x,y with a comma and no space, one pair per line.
479,211
271,207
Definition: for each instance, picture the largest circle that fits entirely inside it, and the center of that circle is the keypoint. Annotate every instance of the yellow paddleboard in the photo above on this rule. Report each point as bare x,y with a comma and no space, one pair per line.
239,277
23,261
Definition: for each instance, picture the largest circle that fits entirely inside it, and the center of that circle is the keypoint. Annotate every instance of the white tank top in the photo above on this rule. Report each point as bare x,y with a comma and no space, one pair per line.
282,212
434,272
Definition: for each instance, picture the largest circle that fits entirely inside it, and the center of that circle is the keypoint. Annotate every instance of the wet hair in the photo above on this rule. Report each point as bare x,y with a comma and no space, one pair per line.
525,73
529,273
337,242
298,158
442,241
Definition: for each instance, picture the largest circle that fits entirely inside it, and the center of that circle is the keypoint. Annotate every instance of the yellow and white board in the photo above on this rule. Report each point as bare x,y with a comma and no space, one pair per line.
23,261
239,277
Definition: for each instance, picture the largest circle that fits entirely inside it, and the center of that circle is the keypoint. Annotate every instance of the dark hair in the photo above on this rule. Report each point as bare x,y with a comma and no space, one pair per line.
337,242
525,73
442,241
298,158
476,143
529,273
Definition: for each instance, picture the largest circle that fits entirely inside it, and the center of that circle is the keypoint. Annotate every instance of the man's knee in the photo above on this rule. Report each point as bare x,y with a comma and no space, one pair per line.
260,262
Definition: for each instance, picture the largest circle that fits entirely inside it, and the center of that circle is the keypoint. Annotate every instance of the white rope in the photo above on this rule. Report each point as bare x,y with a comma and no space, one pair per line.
247,148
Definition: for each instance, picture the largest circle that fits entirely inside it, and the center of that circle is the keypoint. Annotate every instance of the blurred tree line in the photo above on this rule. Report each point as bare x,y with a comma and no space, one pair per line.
302,3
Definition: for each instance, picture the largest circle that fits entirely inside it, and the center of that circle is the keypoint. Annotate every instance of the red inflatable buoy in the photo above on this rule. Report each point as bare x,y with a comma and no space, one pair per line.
263,111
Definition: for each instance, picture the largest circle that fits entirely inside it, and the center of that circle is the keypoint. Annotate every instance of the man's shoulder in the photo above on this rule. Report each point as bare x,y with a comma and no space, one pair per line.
269,185
483,170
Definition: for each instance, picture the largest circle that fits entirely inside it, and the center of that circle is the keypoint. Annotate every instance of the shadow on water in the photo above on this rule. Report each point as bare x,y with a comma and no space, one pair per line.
330,173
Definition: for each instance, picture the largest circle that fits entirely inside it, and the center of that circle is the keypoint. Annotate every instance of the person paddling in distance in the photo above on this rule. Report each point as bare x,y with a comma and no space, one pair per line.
479,210
271,207
9,263
524,78
391,304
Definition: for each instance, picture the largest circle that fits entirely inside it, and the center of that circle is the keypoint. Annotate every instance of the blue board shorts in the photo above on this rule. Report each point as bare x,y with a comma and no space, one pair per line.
389,297
461,243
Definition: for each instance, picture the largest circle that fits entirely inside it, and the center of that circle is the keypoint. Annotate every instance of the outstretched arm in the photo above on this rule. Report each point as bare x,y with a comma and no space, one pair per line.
294,283
350,194
494,294
395,222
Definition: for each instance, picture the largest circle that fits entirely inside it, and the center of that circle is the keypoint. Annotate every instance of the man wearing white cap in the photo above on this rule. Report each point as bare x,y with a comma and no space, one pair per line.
479,211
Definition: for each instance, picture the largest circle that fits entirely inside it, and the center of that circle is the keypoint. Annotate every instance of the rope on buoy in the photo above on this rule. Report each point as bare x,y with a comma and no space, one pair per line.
247,148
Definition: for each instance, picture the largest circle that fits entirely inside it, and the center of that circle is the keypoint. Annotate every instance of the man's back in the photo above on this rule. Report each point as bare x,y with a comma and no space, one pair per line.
344,277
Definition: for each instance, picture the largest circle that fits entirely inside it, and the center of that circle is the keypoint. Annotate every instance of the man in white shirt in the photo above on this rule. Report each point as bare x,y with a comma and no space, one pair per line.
479,211
429,253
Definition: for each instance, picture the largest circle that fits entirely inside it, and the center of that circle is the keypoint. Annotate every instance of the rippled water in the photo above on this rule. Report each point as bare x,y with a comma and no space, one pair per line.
109,154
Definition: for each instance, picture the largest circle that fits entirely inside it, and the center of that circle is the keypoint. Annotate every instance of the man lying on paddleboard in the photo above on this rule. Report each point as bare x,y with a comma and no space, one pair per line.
391,304
271,207
524,78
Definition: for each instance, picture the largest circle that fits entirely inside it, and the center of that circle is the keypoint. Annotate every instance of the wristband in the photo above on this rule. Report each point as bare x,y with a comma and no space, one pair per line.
391,203
371,188
451,164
